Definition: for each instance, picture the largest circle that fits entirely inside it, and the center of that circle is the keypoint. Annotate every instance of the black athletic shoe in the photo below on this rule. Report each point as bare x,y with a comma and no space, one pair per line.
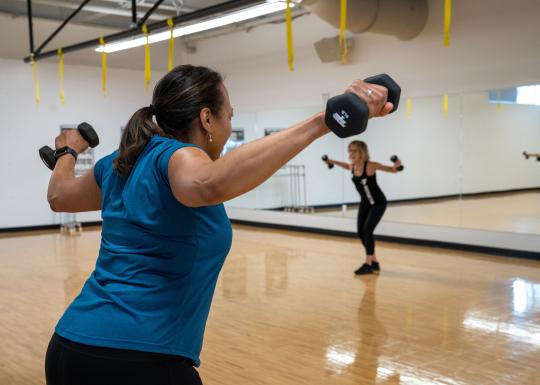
364,269
375,266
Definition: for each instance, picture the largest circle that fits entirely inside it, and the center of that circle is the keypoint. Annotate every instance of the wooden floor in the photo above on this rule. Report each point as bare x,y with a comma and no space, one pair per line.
512,212
289,311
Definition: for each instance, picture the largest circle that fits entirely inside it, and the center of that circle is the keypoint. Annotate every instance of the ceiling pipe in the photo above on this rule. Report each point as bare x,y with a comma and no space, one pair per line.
404,19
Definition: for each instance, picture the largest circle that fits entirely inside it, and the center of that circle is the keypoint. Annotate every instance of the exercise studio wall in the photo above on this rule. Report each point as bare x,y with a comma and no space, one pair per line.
437,149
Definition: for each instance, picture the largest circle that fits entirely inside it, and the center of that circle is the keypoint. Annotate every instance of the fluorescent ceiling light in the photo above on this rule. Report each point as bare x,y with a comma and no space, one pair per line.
235,17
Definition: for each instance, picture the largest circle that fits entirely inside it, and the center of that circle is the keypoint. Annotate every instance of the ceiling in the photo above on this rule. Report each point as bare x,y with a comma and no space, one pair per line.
103,13
14,41
104,17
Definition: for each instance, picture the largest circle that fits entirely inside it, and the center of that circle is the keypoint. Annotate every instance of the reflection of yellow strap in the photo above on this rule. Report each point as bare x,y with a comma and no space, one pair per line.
147,69
36,82
447,21
61,75
290,49
409,107
103,65
342,31
445,105
499,106
171,44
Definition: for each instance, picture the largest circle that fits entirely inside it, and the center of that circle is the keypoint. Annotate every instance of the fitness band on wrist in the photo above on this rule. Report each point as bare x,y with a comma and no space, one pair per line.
63,151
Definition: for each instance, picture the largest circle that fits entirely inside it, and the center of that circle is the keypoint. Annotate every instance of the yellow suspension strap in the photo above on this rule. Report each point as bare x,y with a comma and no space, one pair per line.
147,63
61,76
445,105
171,44
36,81
499,105
409,107
290,48
103,65
447,21
342,32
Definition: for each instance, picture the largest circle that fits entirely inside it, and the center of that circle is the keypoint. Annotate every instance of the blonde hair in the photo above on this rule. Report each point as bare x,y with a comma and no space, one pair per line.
362,147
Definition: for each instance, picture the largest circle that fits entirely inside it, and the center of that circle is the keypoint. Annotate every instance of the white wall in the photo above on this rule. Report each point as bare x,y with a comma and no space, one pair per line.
494,44
475,148
322,187
428,142
26,127
493,144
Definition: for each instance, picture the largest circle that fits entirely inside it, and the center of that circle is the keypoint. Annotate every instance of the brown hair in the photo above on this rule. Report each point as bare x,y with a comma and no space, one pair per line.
177,100
362,147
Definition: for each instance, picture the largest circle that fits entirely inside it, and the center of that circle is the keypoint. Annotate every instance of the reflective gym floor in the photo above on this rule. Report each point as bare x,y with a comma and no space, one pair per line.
517,212
288,310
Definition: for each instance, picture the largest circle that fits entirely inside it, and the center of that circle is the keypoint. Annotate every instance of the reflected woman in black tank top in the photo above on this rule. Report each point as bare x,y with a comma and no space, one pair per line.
372,200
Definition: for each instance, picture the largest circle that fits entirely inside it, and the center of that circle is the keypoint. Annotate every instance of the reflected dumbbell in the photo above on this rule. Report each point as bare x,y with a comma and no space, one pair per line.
394,159
527,155
50,156
325,159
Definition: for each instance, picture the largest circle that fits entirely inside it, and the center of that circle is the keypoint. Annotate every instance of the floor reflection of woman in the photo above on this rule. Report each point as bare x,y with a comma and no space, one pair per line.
373,337
373,202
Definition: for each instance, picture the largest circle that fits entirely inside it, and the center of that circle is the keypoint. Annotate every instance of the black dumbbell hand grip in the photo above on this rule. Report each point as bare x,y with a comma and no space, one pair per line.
88,134
47,156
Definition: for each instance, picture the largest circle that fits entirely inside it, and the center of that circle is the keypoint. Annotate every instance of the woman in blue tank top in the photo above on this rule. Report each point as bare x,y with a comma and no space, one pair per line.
140,317
372,200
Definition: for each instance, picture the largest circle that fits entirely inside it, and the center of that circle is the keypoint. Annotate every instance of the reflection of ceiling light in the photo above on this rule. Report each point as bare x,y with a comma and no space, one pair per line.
221,21
524,294
337,358
410,375
529,334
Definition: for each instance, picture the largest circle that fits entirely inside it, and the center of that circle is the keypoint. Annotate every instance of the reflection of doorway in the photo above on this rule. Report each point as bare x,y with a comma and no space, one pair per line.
234,277
84,162
276,272
270,131
67,252
236,139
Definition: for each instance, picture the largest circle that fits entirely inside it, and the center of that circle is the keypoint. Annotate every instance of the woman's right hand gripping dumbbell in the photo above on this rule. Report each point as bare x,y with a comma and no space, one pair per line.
347,114
72,139
374,96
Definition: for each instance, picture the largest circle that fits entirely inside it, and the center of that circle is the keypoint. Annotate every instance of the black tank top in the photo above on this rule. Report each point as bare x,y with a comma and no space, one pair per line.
367,186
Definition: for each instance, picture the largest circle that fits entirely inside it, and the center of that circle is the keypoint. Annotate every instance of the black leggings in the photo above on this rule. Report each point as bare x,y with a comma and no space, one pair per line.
368,219
70,363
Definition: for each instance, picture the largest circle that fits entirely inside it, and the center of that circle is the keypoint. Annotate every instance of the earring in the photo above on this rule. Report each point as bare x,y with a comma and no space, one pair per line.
210,137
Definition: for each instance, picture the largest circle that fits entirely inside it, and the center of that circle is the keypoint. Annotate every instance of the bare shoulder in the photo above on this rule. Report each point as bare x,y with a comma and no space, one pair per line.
188,156
188,176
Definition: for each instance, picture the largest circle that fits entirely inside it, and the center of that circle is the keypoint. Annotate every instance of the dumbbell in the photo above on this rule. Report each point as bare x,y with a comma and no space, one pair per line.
394,159
325,159
527,155
347,114
49,156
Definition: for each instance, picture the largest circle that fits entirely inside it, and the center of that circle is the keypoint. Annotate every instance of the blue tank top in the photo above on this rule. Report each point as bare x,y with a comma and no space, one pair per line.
157,266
